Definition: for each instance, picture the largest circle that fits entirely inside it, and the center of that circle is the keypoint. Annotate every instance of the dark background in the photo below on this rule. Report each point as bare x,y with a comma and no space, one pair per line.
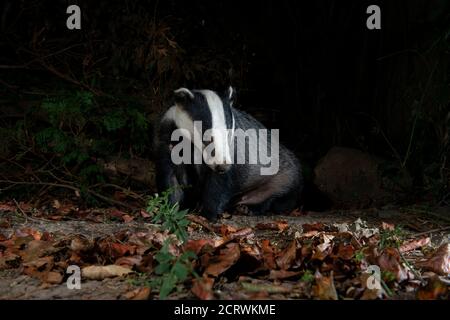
310,68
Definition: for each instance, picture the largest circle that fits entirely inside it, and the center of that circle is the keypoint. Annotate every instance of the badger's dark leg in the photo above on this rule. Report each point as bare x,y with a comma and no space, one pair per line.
217,192
284,204
170,176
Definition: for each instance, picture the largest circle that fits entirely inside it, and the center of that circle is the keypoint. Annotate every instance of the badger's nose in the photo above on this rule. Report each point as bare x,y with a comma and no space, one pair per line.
221,169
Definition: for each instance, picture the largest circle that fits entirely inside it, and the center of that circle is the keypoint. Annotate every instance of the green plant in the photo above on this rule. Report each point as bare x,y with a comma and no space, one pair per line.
171,270
169,215
391,238
307,276
359,256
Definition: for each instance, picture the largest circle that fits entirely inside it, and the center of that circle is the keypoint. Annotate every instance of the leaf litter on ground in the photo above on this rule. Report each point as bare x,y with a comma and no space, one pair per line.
321,262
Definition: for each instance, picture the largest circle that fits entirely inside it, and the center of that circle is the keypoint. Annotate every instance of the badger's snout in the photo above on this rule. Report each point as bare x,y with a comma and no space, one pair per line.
221,168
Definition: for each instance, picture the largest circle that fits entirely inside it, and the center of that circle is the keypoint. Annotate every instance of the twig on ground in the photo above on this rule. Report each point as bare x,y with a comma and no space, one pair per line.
106,199
432,231
21,211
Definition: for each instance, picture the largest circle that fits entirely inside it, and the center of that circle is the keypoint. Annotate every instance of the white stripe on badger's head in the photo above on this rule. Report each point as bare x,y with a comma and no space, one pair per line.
183,120
219,132
184,91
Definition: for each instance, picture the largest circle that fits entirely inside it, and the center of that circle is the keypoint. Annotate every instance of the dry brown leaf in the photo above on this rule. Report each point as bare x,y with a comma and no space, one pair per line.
389,260
439,262
324,288
129,262
414,244
116,213
24,232
138,294
201,221
268,254
387,226
202,288
117,250
319,226
145,214
310,234
196,246
102,272
127,218
282,274
435,289
227,257
36,249
345,251
54,277
287,257
280,225
7,207
81,244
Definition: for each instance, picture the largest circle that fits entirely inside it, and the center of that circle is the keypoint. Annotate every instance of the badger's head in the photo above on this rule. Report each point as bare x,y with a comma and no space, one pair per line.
213,111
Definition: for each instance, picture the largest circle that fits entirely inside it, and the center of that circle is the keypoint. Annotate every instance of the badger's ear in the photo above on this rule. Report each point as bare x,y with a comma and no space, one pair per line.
183,94
231,94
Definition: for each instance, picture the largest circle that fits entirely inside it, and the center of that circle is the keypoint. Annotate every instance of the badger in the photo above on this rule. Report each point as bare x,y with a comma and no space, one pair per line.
228,167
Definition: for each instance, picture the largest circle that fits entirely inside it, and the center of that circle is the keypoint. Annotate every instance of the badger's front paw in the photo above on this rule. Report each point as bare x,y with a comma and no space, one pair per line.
243,210
211,216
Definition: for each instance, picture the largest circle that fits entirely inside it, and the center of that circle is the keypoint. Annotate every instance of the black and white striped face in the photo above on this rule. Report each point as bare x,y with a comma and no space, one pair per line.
214,113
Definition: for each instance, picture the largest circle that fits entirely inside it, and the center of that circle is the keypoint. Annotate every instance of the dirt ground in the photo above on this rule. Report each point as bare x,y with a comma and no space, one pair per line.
15,285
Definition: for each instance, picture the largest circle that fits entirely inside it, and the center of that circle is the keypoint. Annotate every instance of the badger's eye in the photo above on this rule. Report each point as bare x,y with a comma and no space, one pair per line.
211,143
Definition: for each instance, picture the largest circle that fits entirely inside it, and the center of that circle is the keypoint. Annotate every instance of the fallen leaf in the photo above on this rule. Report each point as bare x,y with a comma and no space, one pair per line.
36,249
434,289
326,242
389,261
414,244
287,257
145,214
102,272
439,262
129,262
324,288
241,233
81,244
319,226
201,221
228,256
274,225
268,254
310,234
387,226
282,274
127,218
361,230
116,213
196,246
202,288
345,251
225,229
116,250
36,234
7,207
138,294
56,204
54,277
